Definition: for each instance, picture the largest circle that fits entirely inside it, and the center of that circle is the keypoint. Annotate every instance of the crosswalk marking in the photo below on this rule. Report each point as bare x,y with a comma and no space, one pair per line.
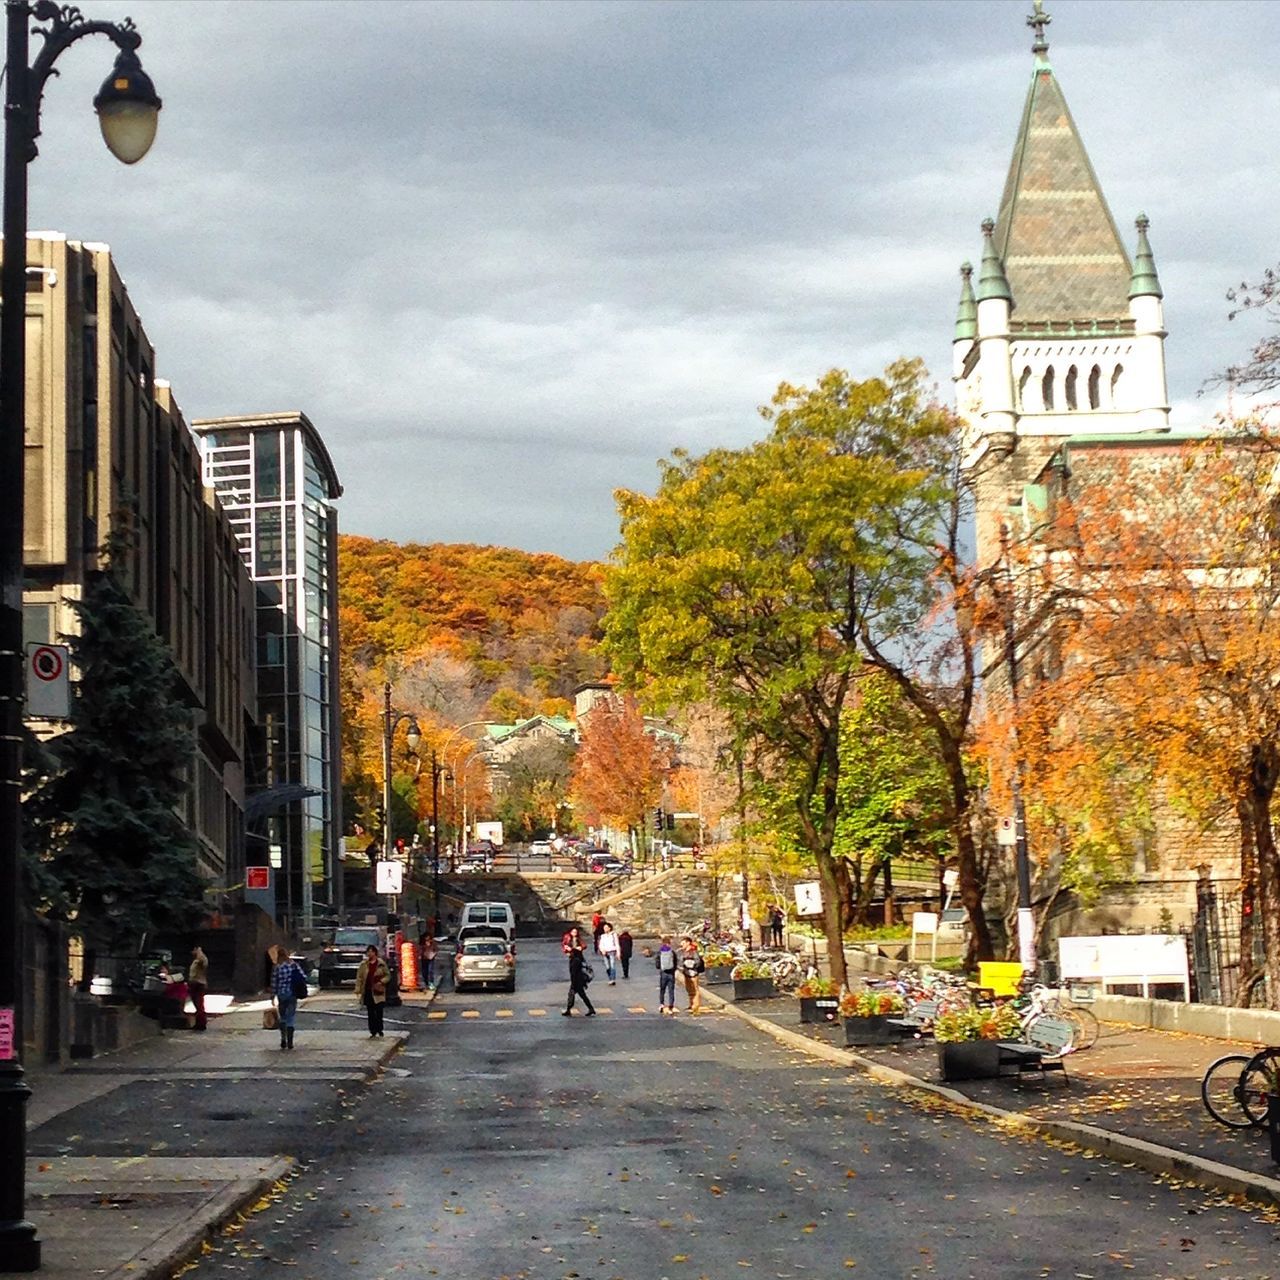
437,1013
440,1014
471,1013
537,1013
637,1008
502,1013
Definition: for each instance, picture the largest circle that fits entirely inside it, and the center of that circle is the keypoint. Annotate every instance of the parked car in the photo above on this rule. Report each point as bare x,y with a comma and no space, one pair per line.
470,866
541,848
497,914
484,962
953,925
341,958
607,864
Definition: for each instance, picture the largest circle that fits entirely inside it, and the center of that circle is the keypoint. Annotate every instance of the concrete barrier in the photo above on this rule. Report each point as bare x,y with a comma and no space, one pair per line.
1221,1022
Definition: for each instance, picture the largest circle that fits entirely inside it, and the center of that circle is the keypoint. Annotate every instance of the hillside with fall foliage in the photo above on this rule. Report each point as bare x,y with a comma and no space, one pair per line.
466,631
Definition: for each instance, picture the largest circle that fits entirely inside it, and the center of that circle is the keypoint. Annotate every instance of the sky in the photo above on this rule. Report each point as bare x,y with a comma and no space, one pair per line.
506,256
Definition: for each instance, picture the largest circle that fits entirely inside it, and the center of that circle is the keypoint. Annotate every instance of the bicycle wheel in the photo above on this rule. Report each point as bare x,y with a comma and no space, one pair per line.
1260,1078
1087,1021
1220,1091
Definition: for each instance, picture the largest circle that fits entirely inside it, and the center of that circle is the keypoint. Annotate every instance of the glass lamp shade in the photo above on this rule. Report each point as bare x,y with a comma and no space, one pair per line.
413,737
128,109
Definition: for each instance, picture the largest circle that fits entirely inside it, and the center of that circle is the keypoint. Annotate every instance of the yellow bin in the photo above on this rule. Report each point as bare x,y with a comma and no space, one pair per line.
1001,976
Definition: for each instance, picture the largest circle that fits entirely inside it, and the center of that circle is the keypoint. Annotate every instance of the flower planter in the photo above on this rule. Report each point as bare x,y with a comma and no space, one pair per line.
819,1008
718,975
872,1030
969,1059
753,989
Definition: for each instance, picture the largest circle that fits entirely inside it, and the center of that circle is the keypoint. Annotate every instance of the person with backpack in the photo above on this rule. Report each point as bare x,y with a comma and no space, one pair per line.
667,964
288,986
579,976
372,979
692,964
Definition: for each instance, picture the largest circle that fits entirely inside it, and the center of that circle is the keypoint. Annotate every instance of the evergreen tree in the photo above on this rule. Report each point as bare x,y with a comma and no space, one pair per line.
109,849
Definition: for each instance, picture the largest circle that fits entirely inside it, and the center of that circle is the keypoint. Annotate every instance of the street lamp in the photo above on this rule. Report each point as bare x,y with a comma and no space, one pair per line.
437,771
127,109
391,721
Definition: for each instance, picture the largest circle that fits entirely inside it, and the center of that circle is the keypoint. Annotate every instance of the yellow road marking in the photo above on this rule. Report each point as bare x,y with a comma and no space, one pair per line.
471,1013
604,1010
437,1013
502,1013
537,1013
637,1008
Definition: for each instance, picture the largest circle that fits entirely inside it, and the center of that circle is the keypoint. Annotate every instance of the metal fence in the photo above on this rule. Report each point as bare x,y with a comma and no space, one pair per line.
1214,940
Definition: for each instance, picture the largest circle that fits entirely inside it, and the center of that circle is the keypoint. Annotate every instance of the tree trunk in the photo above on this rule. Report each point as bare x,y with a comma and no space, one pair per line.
1249,974
972,886
829,875
1262,784
888,891
866,885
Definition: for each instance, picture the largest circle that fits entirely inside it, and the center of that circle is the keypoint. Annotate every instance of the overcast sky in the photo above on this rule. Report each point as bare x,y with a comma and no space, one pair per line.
507,255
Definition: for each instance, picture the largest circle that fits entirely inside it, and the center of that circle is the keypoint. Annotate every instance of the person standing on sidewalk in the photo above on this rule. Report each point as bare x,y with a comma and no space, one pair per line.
430,949
608,948
198,984
578,978
778,920
284,986
625,946
667,964
692,964
372,978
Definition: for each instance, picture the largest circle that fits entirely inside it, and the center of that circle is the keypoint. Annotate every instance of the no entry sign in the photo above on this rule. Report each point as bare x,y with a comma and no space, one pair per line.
48,681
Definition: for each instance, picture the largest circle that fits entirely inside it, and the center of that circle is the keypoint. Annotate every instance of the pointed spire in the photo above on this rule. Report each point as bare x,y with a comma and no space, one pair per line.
1039,20
967,315
991,280
1144,283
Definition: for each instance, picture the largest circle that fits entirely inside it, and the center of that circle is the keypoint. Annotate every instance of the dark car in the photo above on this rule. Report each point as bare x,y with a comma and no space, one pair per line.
341,958
607,864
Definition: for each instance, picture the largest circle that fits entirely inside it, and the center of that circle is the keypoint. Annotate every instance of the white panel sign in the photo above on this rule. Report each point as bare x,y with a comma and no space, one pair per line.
950,878
48,681
809,898
1117,959
389,877
1006,833
924,922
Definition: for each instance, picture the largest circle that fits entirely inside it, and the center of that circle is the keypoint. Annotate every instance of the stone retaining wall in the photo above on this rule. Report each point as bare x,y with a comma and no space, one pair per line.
1261,1026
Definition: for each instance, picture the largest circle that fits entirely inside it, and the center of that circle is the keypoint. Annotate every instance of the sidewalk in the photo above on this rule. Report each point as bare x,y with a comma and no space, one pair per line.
141,1216
1134,1096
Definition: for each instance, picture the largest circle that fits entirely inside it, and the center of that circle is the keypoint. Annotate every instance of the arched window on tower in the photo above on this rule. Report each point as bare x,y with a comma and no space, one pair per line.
1023,407
1072,377
1046,389
1116,375
1095,388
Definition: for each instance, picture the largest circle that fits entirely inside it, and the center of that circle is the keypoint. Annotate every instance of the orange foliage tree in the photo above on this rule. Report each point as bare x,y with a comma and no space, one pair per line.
620,768
1156,662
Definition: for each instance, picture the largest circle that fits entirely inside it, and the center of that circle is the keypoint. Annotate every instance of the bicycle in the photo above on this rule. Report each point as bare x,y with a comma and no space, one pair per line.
1083,1019
1235,1088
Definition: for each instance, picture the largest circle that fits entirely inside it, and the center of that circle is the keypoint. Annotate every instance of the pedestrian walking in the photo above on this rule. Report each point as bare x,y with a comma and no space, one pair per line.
430,949
608,948
597,921
372,978
779,919
692,964
198,984
579,976
626,945
571,939
667,964
288,984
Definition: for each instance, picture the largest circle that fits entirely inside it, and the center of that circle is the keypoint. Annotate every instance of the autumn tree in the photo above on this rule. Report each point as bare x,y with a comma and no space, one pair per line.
620,767
760,580
1164,665
534,787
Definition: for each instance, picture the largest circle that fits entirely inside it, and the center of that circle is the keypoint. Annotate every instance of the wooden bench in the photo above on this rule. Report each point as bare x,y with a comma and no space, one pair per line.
919,1015
1048,1039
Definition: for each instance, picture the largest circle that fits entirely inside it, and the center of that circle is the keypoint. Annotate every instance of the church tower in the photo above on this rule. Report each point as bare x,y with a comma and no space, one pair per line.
1063,334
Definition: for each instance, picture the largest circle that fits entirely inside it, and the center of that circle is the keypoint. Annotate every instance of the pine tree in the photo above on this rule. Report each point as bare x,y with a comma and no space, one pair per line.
110,850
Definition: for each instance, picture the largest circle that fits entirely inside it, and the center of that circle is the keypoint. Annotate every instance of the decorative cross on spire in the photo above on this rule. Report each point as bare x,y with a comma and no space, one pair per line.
1039,20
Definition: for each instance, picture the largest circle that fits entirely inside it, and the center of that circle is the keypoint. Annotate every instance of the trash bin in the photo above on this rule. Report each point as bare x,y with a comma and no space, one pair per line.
1273,1124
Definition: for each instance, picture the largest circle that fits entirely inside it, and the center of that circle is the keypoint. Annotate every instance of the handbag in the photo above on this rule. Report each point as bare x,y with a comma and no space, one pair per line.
587,974
270,1018
298,984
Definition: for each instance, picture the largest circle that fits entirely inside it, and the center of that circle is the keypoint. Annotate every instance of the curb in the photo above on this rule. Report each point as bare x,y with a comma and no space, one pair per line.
1146,1155
178,1246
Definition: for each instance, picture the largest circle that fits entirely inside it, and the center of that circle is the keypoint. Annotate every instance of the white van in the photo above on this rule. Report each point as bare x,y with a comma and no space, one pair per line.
496,915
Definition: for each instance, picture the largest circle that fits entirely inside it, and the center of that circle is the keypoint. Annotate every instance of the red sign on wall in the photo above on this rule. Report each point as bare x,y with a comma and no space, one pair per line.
257,877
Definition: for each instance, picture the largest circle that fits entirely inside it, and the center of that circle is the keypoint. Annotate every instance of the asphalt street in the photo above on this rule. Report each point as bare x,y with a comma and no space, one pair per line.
508,1141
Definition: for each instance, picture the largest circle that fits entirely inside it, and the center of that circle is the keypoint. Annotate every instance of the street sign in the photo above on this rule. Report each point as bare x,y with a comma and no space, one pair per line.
48,681
389,877
1006,833
809,898
924,922
950,878
257,877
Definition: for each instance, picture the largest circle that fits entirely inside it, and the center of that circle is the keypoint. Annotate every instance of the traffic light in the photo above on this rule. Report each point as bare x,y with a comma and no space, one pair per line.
671,822
659,819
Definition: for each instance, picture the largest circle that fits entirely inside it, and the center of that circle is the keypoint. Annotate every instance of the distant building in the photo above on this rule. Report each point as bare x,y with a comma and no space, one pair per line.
277,482
503,741
107,447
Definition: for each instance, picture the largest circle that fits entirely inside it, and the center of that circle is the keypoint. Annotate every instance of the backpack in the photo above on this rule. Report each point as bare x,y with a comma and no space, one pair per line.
667,962
298,984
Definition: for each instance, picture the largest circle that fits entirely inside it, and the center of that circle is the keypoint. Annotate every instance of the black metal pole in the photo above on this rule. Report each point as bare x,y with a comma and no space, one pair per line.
435,834
19,1244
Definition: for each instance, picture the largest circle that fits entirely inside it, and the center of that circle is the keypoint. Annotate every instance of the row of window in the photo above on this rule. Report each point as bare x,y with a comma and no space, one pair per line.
1101,395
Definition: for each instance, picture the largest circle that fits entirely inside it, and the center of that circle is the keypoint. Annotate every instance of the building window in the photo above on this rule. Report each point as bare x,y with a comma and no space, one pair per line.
1022,387
1046,389
1095,388
1116,375
1071,388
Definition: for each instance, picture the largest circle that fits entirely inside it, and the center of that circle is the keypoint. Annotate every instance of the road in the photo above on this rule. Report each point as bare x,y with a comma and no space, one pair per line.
508,1141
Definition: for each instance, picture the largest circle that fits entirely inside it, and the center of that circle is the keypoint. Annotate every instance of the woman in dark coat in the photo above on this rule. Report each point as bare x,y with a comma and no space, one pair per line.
625,946
578,977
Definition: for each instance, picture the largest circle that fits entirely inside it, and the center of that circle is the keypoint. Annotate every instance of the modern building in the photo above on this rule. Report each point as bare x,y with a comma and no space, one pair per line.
274,477
107,448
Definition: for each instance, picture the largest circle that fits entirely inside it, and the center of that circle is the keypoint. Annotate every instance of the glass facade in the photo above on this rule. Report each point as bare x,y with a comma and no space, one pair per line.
277,485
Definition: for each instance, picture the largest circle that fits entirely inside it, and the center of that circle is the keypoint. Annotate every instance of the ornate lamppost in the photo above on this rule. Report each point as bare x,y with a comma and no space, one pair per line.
391,721
128,109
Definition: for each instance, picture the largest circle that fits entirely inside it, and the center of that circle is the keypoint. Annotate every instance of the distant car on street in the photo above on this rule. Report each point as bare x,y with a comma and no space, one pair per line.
341,958
541,848
607,864
484,962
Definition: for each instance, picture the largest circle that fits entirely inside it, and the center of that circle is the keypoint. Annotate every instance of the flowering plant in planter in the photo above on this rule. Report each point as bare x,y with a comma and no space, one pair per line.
718,957
811,988
977,1024
872,1004
747,969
